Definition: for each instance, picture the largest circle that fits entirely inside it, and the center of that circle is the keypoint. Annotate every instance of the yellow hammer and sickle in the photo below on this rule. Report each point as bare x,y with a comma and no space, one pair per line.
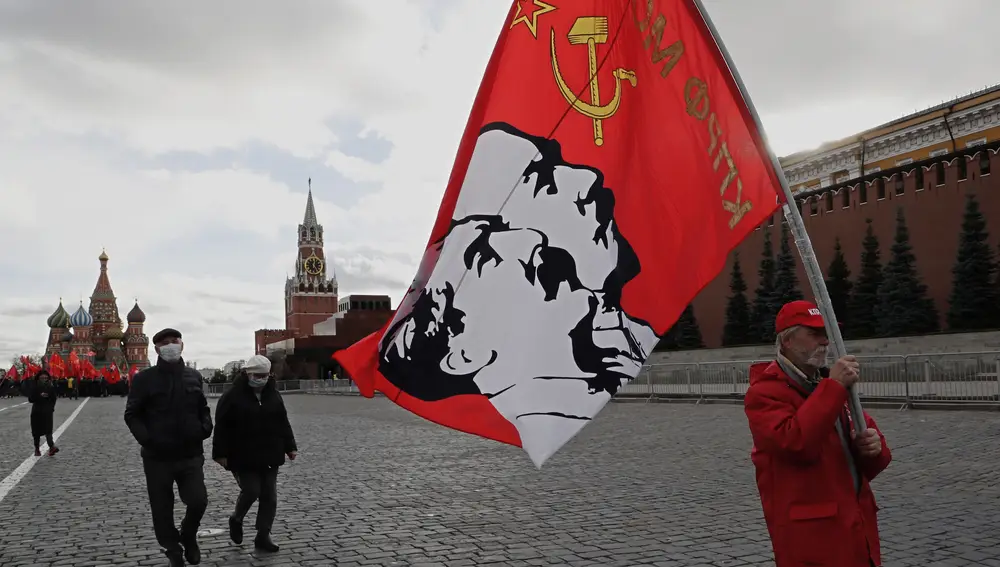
591,30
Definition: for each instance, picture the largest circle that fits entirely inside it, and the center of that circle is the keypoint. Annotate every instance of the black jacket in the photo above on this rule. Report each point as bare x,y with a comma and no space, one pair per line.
252,434
167,412
42,408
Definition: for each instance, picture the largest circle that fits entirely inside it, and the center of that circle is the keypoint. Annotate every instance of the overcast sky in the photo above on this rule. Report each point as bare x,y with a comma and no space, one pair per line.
179,135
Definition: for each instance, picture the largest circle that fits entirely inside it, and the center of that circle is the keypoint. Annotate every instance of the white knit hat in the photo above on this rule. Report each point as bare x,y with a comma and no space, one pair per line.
257,364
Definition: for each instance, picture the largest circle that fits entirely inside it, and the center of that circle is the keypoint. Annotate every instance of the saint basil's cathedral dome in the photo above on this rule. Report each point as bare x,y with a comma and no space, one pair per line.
81,318
114,332
59,318
136,315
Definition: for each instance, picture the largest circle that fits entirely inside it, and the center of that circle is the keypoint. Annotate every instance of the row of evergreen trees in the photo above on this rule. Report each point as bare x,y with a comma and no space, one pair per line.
884,300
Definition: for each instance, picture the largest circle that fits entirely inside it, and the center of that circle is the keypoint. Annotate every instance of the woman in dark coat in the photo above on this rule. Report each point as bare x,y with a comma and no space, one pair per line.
252,438
42,396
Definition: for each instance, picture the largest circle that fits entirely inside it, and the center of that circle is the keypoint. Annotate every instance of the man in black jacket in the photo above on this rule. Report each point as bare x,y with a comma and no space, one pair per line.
169,417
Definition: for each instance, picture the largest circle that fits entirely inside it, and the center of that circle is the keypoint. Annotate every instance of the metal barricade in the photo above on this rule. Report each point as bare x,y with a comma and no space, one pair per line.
339,386
954,377
968,378
883,377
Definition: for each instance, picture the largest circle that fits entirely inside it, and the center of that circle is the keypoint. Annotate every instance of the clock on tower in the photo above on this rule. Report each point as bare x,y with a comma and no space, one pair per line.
314,265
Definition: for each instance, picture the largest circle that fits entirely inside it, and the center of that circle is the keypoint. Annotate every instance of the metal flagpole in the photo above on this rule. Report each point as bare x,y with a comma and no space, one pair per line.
795,225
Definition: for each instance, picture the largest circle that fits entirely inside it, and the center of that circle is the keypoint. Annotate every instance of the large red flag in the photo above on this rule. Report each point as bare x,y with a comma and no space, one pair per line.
608,168
74,364
57,366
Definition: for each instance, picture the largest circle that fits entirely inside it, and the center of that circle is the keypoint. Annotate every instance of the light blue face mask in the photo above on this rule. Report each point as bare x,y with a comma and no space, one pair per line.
258,380
171,352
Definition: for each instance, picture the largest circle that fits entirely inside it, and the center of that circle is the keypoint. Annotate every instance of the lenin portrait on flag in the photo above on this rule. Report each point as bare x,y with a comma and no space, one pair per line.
523,300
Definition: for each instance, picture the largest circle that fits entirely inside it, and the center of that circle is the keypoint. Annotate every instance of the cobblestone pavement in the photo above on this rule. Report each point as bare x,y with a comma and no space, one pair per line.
664,485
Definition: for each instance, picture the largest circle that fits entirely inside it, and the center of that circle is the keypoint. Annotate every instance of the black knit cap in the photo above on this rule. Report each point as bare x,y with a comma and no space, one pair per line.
167,333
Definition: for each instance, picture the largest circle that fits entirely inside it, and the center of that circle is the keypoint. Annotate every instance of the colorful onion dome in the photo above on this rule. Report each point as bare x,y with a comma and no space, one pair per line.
136,315
59,318
114,333
81,318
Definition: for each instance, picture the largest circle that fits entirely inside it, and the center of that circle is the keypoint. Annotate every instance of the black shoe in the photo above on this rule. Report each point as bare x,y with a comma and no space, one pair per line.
263,542
176,559
235,530
191,551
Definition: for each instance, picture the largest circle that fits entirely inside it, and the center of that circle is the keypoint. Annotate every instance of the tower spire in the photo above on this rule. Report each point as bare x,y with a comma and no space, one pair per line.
310,218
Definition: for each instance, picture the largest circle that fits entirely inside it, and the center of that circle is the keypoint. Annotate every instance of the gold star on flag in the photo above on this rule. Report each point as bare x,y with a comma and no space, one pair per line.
528,12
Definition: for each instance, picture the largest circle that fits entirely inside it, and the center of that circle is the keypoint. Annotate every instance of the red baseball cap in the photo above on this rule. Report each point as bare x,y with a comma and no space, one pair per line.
804,313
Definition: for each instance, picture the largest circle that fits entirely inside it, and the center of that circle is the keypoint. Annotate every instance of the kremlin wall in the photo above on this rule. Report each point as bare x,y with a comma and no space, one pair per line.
925,163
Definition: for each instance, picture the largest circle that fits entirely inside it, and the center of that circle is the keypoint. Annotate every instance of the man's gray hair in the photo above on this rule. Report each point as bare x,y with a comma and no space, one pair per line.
784,334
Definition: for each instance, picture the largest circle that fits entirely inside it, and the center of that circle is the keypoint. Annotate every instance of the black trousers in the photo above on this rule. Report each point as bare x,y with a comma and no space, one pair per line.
189,475
48,439
260,486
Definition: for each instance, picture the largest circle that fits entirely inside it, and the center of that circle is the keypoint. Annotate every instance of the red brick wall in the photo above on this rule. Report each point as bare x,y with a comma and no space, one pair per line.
309,310
264,337
933,216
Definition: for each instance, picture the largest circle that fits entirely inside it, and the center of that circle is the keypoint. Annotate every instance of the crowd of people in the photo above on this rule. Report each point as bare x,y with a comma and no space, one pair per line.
72,388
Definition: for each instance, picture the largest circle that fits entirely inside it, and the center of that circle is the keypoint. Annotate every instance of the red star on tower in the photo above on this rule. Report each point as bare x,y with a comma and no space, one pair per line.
528,12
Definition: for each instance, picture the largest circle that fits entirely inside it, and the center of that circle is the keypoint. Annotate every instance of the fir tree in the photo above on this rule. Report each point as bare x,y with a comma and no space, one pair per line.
684,335
903,306
861,322
737,330
974,303
838,284
996,285
786,281
765,305
689,335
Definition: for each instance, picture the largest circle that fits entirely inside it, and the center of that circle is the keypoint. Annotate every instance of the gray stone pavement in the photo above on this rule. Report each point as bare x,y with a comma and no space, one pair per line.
657,484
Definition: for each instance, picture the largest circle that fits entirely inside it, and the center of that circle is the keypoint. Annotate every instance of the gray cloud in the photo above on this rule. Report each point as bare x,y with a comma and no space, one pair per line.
798,53
229,299
185,38
28,311
367,282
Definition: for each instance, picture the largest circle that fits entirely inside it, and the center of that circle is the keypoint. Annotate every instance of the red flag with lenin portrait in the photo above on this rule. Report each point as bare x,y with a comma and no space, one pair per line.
608,168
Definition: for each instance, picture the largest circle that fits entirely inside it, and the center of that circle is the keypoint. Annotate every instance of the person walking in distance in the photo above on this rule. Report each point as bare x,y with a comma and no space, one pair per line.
42,396
813,472
252,438
168,415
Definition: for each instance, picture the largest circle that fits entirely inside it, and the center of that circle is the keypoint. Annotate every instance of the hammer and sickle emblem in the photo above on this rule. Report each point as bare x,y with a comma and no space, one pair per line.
591,30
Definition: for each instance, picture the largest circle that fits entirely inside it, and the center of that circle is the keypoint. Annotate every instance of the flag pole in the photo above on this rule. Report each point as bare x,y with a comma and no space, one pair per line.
795,224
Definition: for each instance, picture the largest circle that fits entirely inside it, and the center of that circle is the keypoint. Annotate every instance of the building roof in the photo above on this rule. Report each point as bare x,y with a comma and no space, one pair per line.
81,318
310,216
889,126
59,318
136,315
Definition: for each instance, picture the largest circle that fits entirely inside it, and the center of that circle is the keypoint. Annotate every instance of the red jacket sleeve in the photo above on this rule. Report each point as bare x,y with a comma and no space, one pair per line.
871,466
778,427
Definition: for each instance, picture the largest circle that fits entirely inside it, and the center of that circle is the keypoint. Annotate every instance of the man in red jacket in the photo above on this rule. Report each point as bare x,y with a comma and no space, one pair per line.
813,472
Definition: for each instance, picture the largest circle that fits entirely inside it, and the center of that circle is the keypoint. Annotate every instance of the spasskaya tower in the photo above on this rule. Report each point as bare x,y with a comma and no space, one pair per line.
311,294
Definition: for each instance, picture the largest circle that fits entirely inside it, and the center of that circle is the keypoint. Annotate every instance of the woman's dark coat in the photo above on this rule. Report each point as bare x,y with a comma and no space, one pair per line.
252,435
42,408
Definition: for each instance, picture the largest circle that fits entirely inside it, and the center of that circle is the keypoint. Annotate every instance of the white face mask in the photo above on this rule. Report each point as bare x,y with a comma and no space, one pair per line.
171,352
